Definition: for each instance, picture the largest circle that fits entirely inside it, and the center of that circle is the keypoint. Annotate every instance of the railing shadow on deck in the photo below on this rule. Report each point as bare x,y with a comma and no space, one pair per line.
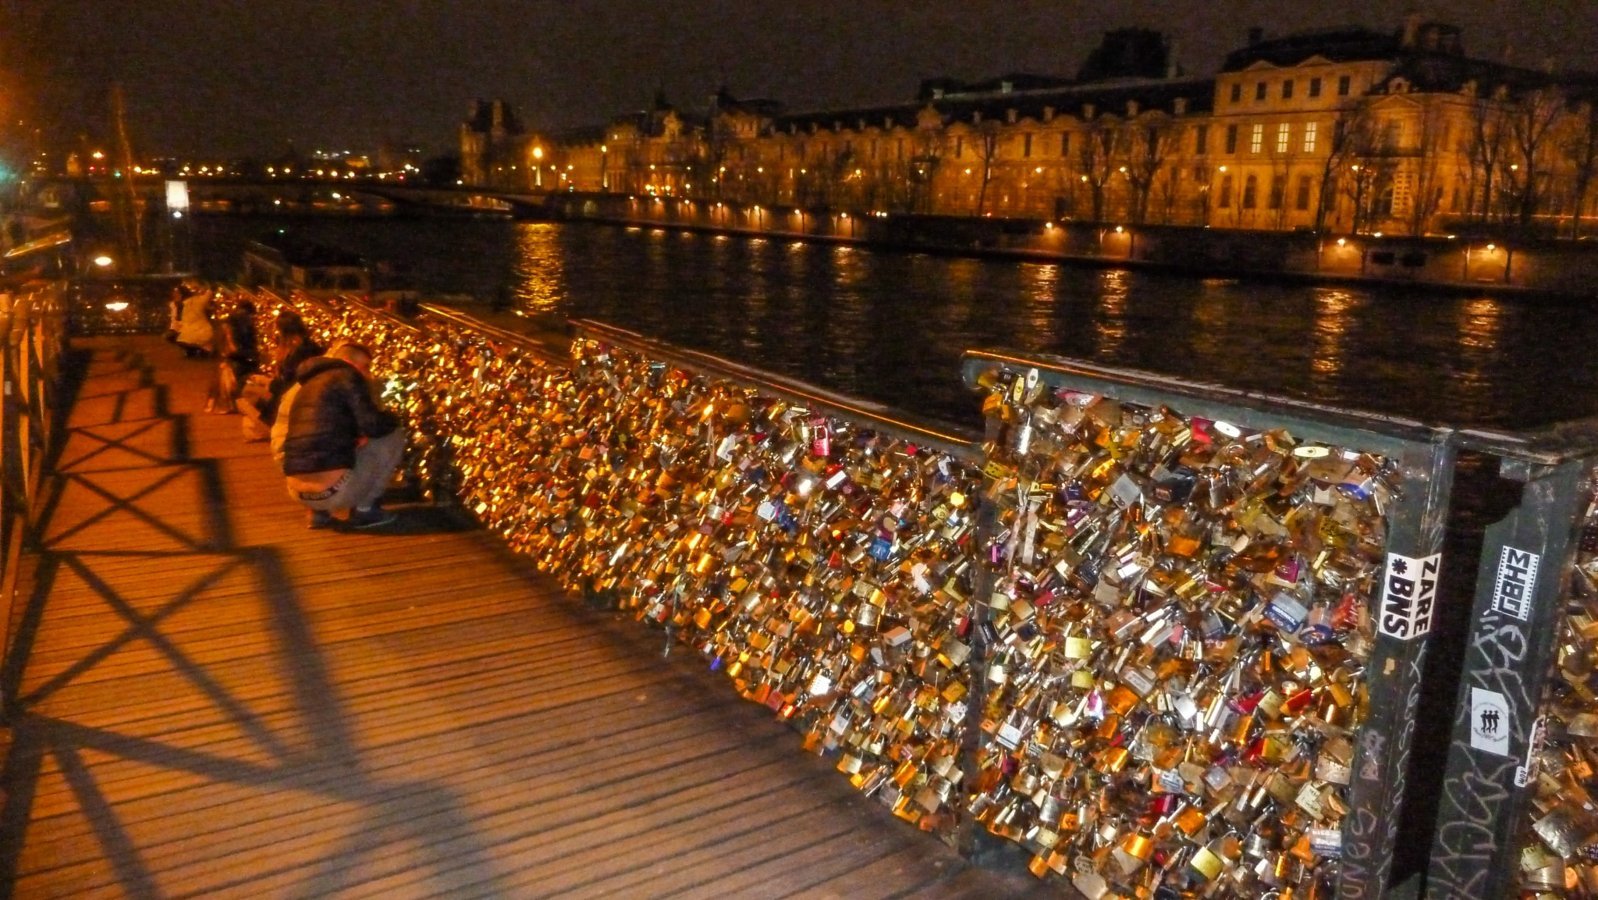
330,768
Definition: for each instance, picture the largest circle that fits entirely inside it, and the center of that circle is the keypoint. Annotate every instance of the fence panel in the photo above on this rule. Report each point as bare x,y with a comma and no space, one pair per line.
1236,594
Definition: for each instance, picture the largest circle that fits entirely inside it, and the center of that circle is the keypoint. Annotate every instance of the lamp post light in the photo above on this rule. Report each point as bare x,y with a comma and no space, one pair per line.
538,166
604,167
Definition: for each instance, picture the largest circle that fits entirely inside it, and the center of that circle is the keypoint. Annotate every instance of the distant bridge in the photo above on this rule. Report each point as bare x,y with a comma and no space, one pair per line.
297,195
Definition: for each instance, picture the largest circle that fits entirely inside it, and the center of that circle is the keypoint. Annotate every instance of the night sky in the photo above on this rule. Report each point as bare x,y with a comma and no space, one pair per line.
244,77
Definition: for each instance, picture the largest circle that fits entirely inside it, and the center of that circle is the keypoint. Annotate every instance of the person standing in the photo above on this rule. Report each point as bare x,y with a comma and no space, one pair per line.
194,323
339,447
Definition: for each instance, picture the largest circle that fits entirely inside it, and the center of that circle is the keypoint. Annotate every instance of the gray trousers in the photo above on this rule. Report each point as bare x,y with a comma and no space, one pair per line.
375,462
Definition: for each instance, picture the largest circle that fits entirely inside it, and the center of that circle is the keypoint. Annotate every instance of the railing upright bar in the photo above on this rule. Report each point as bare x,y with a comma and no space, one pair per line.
1509,654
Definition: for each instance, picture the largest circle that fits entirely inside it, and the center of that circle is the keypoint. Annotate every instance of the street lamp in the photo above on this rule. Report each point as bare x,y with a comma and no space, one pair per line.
538,166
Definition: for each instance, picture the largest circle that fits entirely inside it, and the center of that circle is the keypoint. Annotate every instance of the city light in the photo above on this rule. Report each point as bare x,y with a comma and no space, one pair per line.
104,261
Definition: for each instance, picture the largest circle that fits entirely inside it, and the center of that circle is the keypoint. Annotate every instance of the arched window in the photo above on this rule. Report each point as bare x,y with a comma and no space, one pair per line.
1225,201
1251,188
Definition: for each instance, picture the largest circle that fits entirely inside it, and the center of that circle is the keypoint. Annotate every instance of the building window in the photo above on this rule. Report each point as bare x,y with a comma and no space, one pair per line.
1201,173
1237,93
1201,140
959,147
898,148
1226,192
1026,144
1315,86
1256,137
1231,139
1250,189
1344,82
1278,190
1305,184
1287,89
1259,91
1282,132
1065,143
1310,129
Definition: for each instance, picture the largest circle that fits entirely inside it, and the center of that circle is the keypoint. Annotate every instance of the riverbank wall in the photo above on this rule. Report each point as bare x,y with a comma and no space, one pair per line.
1453,263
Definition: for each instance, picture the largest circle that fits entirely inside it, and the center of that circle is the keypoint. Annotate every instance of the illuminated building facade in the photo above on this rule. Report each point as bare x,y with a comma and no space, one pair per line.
1346,130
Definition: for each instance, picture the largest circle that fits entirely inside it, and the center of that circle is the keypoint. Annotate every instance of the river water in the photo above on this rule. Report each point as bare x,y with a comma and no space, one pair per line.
891,326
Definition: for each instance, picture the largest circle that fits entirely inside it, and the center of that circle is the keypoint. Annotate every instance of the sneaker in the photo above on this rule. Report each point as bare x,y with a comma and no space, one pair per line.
371,518
320,519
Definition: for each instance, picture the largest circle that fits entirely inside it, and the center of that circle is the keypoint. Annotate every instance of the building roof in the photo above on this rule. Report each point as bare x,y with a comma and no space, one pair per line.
1073,99
1334,45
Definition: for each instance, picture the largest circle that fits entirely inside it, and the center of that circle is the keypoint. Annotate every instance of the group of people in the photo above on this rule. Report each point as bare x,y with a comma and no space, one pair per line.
337,445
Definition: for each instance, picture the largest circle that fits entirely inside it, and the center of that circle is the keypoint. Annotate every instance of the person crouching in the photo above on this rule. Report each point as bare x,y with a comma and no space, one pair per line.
339,448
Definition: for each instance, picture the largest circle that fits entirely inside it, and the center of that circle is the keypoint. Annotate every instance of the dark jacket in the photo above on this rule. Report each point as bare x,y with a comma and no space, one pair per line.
332,411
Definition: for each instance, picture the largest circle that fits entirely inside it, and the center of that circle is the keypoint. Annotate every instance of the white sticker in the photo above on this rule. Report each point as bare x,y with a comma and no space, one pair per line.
1228,429
1312,451
1409,595
1527,770
1517,578
1489,721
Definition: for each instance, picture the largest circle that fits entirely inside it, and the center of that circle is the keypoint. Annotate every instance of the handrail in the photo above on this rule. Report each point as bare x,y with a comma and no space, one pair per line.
1251,409
961,443
30,339
504,335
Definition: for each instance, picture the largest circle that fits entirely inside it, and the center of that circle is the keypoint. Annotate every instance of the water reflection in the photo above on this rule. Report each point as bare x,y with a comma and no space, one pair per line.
1041,284
540,263
1335,310
1480,321
1109,320
891,326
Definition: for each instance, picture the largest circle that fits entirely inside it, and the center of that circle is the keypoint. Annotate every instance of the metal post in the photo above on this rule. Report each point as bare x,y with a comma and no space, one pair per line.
1508,655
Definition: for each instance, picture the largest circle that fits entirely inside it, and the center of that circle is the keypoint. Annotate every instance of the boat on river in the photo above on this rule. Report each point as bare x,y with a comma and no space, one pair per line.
286,263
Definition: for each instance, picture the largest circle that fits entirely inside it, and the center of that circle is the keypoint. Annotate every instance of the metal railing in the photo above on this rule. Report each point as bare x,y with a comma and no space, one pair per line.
32,336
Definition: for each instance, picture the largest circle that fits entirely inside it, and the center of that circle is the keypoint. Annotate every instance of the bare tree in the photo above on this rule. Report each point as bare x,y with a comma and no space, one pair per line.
1148,144
930,147
1580,148
1531,121
1427,194
1351,139
1096,152
986,143
1489,146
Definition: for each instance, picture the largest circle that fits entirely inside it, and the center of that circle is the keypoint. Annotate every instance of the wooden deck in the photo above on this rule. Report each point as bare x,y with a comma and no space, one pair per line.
216,702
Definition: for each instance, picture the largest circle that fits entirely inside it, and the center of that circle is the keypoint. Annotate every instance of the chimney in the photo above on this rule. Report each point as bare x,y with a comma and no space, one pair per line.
1255,35
1172,67
1411,29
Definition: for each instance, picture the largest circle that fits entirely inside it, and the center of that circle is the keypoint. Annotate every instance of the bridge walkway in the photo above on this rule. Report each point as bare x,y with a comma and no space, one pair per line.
213,701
